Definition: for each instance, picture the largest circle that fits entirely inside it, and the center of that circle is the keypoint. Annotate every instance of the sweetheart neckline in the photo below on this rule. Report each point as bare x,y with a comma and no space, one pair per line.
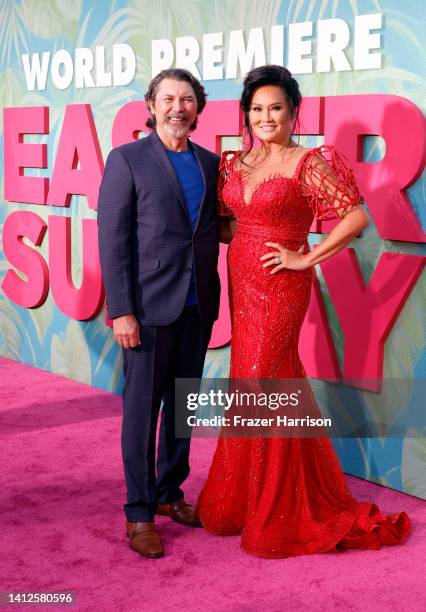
271,177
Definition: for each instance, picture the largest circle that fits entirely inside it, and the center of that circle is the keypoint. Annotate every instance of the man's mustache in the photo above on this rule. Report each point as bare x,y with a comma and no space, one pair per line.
178,116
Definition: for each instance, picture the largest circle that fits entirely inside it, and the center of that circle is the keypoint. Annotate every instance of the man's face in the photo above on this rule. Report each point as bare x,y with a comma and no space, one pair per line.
174,107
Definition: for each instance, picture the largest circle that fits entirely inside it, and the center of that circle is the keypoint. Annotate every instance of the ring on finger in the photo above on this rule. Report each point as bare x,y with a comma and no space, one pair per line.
277,261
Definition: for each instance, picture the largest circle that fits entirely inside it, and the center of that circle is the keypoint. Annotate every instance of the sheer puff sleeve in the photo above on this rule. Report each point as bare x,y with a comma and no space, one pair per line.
225,170
328,182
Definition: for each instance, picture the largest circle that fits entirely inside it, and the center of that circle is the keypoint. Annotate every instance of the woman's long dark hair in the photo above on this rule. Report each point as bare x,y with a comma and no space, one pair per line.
270,75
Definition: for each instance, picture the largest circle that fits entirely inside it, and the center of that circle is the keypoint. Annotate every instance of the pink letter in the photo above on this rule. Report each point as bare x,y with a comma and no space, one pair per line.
32,292
316,345
219,118
19,155
129,122
78,144
347,120
368,313
85,302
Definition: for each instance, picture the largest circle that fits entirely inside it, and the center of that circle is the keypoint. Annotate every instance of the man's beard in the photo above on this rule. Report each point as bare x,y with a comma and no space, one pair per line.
176,131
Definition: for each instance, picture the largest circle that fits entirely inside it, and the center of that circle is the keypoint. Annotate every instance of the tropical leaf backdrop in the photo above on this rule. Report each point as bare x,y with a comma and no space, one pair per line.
85,351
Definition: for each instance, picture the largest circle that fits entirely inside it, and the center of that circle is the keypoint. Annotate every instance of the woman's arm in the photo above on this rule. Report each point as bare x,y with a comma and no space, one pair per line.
340,236
333,193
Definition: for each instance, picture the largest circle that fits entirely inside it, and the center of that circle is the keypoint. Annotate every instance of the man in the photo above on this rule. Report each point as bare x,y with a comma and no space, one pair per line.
158,249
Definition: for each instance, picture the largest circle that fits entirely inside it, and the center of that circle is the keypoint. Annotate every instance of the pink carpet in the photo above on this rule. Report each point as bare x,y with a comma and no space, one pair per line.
62,524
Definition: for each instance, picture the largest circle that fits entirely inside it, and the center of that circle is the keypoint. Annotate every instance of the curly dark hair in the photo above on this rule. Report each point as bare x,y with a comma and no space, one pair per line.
177,74
270,75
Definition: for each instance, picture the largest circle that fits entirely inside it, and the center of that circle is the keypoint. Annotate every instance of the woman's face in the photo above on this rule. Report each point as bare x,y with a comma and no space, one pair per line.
269,115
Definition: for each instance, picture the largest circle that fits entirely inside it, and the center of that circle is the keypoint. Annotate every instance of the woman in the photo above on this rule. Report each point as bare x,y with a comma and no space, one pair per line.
285,496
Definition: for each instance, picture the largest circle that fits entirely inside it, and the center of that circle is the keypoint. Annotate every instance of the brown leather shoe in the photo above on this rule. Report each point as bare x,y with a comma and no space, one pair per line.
144,539
181,512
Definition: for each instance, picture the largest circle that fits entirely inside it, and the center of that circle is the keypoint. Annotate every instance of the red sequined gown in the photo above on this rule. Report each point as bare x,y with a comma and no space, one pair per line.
285,496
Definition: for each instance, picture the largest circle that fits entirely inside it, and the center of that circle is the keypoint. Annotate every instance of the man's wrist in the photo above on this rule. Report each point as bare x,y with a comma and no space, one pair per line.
127,314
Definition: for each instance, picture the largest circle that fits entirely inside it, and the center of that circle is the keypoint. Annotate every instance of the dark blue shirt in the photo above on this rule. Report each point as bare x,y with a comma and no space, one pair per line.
189,175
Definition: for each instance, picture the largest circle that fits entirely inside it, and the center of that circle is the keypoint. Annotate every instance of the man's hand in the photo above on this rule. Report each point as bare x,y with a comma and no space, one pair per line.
126,331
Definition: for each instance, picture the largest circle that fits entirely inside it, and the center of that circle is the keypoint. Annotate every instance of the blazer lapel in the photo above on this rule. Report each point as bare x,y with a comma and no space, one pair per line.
159,153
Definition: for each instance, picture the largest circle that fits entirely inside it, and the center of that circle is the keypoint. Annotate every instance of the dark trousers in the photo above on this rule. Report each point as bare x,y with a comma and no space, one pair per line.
167,352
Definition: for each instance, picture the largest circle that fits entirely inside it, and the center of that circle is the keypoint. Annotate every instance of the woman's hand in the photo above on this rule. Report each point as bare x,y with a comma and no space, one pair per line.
284,259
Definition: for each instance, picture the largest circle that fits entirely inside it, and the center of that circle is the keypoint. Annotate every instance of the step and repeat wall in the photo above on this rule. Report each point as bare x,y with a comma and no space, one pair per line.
72,80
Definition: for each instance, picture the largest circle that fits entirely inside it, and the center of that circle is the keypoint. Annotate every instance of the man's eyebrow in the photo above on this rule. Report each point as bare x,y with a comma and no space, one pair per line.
170,95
